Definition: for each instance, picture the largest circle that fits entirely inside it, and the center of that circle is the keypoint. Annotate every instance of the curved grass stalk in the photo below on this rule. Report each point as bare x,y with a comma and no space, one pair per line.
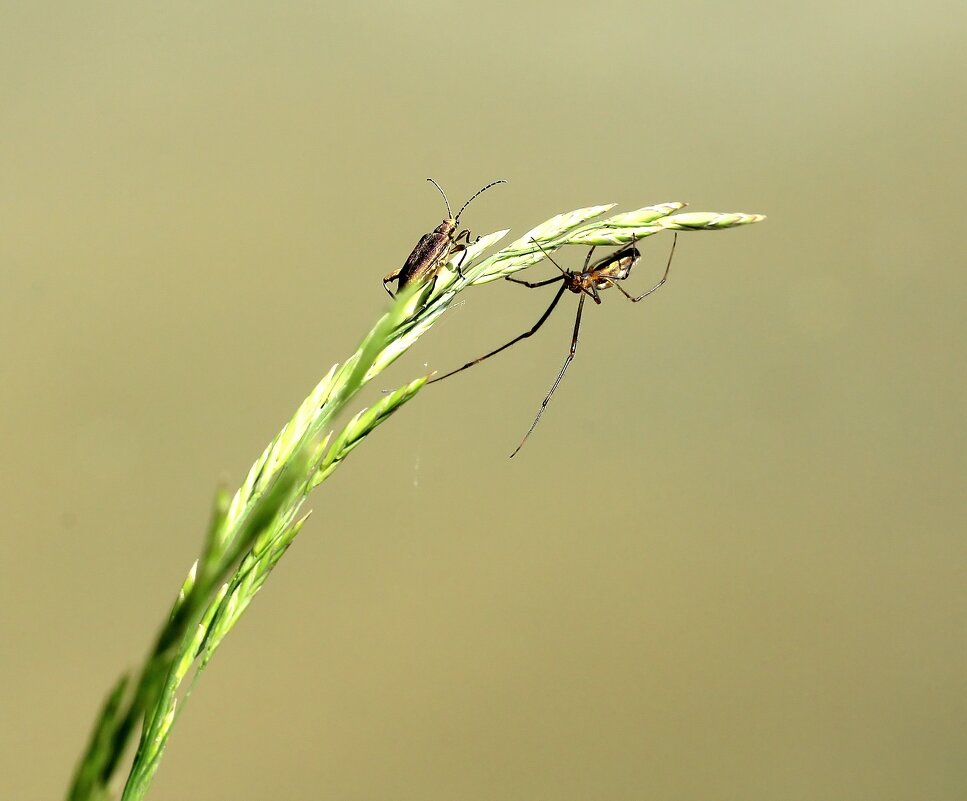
251,530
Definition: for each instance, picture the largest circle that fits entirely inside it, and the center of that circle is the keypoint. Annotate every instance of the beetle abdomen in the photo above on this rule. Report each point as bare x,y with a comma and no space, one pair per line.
424,259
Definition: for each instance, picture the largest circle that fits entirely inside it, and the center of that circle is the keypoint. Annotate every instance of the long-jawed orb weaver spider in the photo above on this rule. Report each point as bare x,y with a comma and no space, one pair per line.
587,283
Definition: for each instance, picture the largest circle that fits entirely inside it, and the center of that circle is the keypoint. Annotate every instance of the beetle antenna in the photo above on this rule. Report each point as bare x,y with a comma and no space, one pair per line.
440,188
492,183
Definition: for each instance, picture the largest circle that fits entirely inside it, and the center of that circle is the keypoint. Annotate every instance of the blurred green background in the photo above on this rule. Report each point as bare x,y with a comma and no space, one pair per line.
729,564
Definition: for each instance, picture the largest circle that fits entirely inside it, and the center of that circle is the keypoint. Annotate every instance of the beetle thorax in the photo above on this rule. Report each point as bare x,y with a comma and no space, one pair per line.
447,227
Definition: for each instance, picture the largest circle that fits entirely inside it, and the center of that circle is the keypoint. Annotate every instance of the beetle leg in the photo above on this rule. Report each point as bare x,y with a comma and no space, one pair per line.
389,278
459,262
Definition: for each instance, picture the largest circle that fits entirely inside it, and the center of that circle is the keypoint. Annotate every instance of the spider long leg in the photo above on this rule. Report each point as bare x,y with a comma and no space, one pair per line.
550,257
535,284
514,341
663,278
560,375
622,290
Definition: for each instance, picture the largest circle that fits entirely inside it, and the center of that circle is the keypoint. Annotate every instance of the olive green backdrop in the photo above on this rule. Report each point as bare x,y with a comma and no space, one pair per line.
729,564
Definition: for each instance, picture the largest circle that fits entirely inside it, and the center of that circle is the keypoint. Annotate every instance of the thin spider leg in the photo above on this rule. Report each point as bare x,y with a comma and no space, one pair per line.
587,260
663,278
591,291
514,341
620,288
549,256
560,375
535,284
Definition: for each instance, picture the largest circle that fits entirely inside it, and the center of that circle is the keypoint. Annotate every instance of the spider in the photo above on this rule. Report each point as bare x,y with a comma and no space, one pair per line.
602,274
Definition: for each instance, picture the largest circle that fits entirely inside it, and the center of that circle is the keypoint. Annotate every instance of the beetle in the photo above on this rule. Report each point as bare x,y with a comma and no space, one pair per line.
435,248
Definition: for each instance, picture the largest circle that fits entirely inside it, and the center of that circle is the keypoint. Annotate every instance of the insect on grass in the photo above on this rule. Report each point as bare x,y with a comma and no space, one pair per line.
588,283
435,248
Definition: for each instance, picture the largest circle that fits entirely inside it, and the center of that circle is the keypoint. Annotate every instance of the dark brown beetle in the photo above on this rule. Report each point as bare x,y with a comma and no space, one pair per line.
435,248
